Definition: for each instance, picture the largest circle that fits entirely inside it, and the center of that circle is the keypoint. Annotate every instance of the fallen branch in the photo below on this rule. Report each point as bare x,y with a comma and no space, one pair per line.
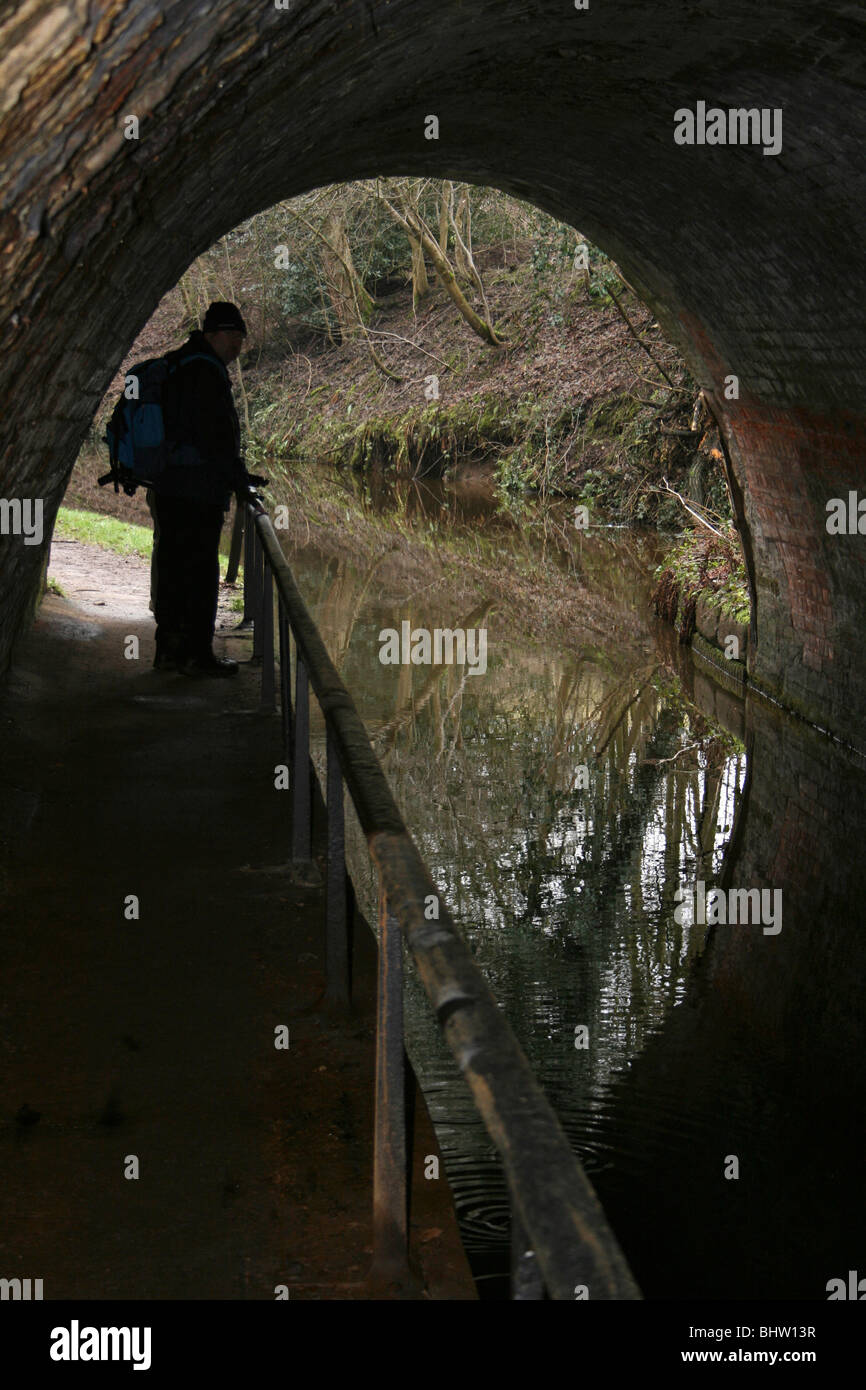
383,333
673,492
689,748
658,386
638,339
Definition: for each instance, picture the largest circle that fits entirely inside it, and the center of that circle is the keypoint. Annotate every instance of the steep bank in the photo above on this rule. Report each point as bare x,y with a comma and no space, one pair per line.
586,400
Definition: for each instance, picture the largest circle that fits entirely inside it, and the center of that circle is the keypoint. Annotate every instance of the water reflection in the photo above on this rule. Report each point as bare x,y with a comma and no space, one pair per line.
434,500
560,800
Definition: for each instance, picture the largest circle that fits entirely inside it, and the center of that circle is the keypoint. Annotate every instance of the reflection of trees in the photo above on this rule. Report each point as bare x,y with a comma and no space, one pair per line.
564,890
536,866
341,600
410,703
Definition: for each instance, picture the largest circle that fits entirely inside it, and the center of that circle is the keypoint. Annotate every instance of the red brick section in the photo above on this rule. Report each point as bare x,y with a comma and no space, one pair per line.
754,264
810,585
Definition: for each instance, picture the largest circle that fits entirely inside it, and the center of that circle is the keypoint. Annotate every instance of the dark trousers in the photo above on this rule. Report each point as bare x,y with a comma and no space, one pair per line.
187,574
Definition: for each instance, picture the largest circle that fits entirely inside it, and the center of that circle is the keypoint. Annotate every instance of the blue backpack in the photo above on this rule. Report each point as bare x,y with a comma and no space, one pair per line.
138,441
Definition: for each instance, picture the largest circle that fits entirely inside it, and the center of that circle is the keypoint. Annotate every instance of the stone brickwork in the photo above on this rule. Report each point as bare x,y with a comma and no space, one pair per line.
754,264
804,820
810,585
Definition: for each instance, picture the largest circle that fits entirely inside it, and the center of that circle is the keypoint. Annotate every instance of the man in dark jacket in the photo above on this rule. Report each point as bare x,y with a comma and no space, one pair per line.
194,494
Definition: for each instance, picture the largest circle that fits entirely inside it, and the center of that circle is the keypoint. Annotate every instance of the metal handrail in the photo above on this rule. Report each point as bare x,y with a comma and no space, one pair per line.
561,1240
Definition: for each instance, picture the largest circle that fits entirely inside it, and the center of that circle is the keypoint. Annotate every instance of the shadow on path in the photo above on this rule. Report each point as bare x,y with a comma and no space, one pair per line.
153,1035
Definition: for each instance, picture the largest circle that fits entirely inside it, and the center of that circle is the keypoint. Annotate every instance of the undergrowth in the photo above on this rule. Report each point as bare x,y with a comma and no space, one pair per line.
702,564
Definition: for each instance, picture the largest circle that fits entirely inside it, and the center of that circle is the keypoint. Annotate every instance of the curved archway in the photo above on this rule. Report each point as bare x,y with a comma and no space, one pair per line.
752,262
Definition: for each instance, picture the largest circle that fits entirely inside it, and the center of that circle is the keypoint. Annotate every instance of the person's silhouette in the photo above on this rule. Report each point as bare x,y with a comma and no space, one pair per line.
194,493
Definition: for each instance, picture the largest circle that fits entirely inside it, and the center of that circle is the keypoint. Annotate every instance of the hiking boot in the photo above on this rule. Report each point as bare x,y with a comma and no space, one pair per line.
166,661
209,665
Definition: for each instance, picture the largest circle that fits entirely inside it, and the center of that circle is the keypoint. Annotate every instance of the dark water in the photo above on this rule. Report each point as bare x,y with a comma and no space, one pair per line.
561,798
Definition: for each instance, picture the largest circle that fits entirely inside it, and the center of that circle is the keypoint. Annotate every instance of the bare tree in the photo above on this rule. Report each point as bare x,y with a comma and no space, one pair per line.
409,218
356,303
352,303
446,199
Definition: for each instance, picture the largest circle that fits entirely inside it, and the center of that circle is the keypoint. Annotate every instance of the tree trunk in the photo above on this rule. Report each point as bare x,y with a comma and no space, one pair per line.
413,226
445,202
230,281
463,239
349,299
420,283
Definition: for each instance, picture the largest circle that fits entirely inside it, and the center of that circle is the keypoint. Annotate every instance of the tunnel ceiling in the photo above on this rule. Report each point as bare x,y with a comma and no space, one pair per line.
753,261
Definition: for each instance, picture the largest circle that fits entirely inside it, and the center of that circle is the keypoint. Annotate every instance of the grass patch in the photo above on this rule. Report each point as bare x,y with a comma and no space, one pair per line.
123,537
94,528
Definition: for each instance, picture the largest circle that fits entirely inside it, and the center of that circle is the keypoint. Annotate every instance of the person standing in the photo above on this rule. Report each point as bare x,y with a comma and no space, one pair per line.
194,494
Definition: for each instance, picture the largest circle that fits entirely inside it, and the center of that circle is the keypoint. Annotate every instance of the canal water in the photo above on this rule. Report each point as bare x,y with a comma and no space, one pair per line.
561,797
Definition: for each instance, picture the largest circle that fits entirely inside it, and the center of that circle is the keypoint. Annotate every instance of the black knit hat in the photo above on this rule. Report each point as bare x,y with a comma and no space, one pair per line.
221,314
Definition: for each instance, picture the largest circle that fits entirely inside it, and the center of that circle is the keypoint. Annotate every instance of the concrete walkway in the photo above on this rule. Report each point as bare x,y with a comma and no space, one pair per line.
151,1037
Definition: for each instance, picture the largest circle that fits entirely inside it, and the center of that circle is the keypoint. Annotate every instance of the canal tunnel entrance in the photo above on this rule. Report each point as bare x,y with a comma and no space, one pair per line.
133,137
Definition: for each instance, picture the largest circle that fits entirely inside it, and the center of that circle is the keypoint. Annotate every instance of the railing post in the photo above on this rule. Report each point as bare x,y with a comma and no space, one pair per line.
390,1211
285,680
259,565
249,564
235,547
300,763
338,987
266,702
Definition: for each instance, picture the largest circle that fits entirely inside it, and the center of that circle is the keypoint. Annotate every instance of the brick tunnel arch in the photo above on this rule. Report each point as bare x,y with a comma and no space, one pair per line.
752,262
